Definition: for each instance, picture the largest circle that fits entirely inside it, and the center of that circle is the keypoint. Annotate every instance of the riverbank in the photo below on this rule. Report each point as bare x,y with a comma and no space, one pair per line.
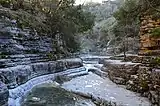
88,80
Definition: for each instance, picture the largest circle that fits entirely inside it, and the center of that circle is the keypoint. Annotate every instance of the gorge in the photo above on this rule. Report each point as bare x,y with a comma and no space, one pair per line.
56,53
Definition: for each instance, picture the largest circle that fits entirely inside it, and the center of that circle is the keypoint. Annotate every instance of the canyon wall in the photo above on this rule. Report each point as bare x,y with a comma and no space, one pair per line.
25,55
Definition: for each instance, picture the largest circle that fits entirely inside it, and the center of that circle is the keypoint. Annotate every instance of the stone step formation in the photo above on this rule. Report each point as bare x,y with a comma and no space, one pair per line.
25,55
22,46
12,77
141,74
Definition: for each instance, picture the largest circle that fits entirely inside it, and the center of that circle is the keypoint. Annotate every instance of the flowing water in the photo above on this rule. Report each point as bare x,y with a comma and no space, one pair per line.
41,91
16,95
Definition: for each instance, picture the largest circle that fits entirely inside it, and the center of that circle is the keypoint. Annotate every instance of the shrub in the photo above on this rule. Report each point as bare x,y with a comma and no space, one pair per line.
5,3
155,32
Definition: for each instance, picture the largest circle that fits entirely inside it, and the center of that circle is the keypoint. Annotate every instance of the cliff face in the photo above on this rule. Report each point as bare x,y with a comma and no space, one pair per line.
18,49
149,36
25,55
18,43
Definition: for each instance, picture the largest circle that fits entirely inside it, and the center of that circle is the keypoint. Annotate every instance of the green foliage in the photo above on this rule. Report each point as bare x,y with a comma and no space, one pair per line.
127,13
5,3
148,4
25,19
155,32
157,61
102,12
69,21
4,55
127,19
144,85
101,34
51,17
51,56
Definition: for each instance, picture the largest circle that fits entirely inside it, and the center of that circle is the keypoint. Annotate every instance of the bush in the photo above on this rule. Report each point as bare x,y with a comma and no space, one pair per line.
155,32
5,3
158,60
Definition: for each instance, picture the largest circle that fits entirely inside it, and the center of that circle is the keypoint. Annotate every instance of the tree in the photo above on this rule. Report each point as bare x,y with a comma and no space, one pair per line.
60,19
127,22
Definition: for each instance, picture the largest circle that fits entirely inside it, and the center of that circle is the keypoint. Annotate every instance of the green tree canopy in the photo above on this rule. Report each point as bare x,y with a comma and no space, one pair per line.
51,17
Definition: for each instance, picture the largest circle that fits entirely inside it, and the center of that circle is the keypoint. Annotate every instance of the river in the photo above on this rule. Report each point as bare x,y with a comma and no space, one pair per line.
84,80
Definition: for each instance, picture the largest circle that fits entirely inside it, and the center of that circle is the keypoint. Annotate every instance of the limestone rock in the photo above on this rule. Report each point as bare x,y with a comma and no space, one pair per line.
72,63
149,43
120,70
52,67
15,75
155,76
35,101
4,93
40,68
154,97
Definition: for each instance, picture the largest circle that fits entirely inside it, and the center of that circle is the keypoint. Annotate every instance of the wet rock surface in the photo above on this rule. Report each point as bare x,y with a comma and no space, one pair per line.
16,94
105,89
13,77
94,86
54,96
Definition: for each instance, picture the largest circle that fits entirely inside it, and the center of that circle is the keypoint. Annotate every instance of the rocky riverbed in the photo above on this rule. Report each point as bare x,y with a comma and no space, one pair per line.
25,63
104,89
89,84
52,95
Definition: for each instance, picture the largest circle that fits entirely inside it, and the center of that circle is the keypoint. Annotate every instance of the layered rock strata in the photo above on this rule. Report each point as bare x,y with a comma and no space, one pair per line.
25,55
149,35
142,77
12,77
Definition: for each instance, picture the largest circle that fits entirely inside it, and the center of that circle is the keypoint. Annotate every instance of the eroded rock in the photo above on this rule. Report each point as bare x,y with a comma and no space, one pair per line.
4,93
141,78
72,63
120,72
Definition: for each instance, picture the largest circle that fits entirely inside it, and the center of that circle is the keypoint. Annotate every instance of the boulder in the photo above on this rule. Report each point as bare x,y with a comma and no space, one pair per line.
119,71
72,63
14,76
